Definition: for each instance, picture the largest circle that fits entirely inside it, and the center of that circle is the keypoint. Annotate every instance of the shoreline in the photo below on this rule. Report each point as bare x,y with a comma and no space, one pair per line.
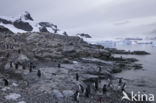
59,58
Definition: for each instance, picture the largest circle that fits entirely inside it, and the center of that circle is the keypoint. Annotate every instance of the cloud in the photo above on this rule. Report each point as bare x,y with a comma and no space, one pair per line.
97,17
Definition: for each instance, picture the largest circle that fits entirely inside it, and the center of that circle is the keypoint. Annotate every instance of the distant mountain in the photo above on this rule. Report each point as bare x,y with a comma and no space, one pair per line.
25,23
83,35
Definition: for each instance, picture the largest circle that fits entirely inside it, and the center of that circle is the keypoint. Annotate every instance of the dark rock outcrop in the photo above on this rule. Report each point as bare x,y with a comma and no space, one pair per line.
43,29
5,21
27,16
22,25
84,35
5,30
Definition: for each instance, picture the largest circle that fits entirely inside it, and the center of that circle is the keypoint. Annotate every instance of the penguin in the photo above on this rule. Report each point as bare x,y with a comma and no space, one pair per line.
123,87
104,89
16,65
59,65
8,55
6,83
23,66
19,51
30,69
81,88
120,81
39,73
110,83
76,95
99,69
11,65
87,92
96,84
77,77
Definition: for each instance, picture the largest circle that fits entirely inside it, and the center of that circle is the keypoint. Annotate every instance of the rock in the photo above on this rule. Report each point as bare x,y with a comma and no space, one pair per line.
5,30
22,102
68,93
84,35
57,94
140,52
27,16
12,96
5,21
43,29
23,25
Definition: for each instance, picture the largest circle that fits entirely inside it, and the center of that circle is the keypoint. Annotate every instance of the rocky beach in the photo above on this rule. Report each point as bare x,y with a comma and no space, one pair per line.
51,68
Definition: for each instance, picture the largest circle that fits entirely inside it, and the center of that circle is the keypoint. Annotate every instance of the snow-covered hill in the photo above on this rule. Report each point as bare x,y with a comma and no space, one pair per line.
25,23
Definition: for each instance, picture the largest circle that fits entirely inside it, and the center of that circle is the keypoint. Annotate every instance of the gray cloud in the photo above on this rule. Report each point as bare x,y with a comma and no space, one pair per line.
96,17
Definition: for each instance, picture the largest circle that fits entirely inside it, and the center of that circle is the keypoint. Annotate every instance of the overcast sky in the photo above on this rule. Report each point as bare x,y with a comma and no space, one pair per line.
100,18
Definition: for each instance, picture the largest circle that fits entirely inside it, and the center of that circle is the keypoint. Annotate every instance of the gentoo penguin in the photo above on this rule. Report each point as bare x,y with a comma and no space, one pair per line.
76,95
39,73
87,92
30,69
99,69
6,83
123,87
77,76
96,84
16,65
81,88
59,65
104,89
19,51
110,83
23,66
120,81
11,65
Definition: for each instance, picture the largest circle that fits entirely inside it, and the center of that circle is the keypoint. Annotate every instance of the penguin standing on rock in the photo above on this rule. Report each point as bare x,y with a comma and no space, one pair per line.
16,65
123,87
120,81
87,92
30,69
104,89
59,65
39,73
76,96
77,77
99,69
6,83
96,84
81,88
11,65
23,66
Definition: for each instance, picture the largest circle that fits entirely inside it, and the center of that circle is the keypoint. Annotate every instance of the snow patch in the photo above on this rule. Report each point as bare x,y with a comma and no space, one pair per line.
13,96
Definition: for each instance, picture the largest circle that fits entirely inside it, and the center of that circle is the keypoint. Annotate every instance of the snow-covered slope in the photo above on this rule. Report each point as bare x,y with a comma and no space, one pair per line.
25,23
